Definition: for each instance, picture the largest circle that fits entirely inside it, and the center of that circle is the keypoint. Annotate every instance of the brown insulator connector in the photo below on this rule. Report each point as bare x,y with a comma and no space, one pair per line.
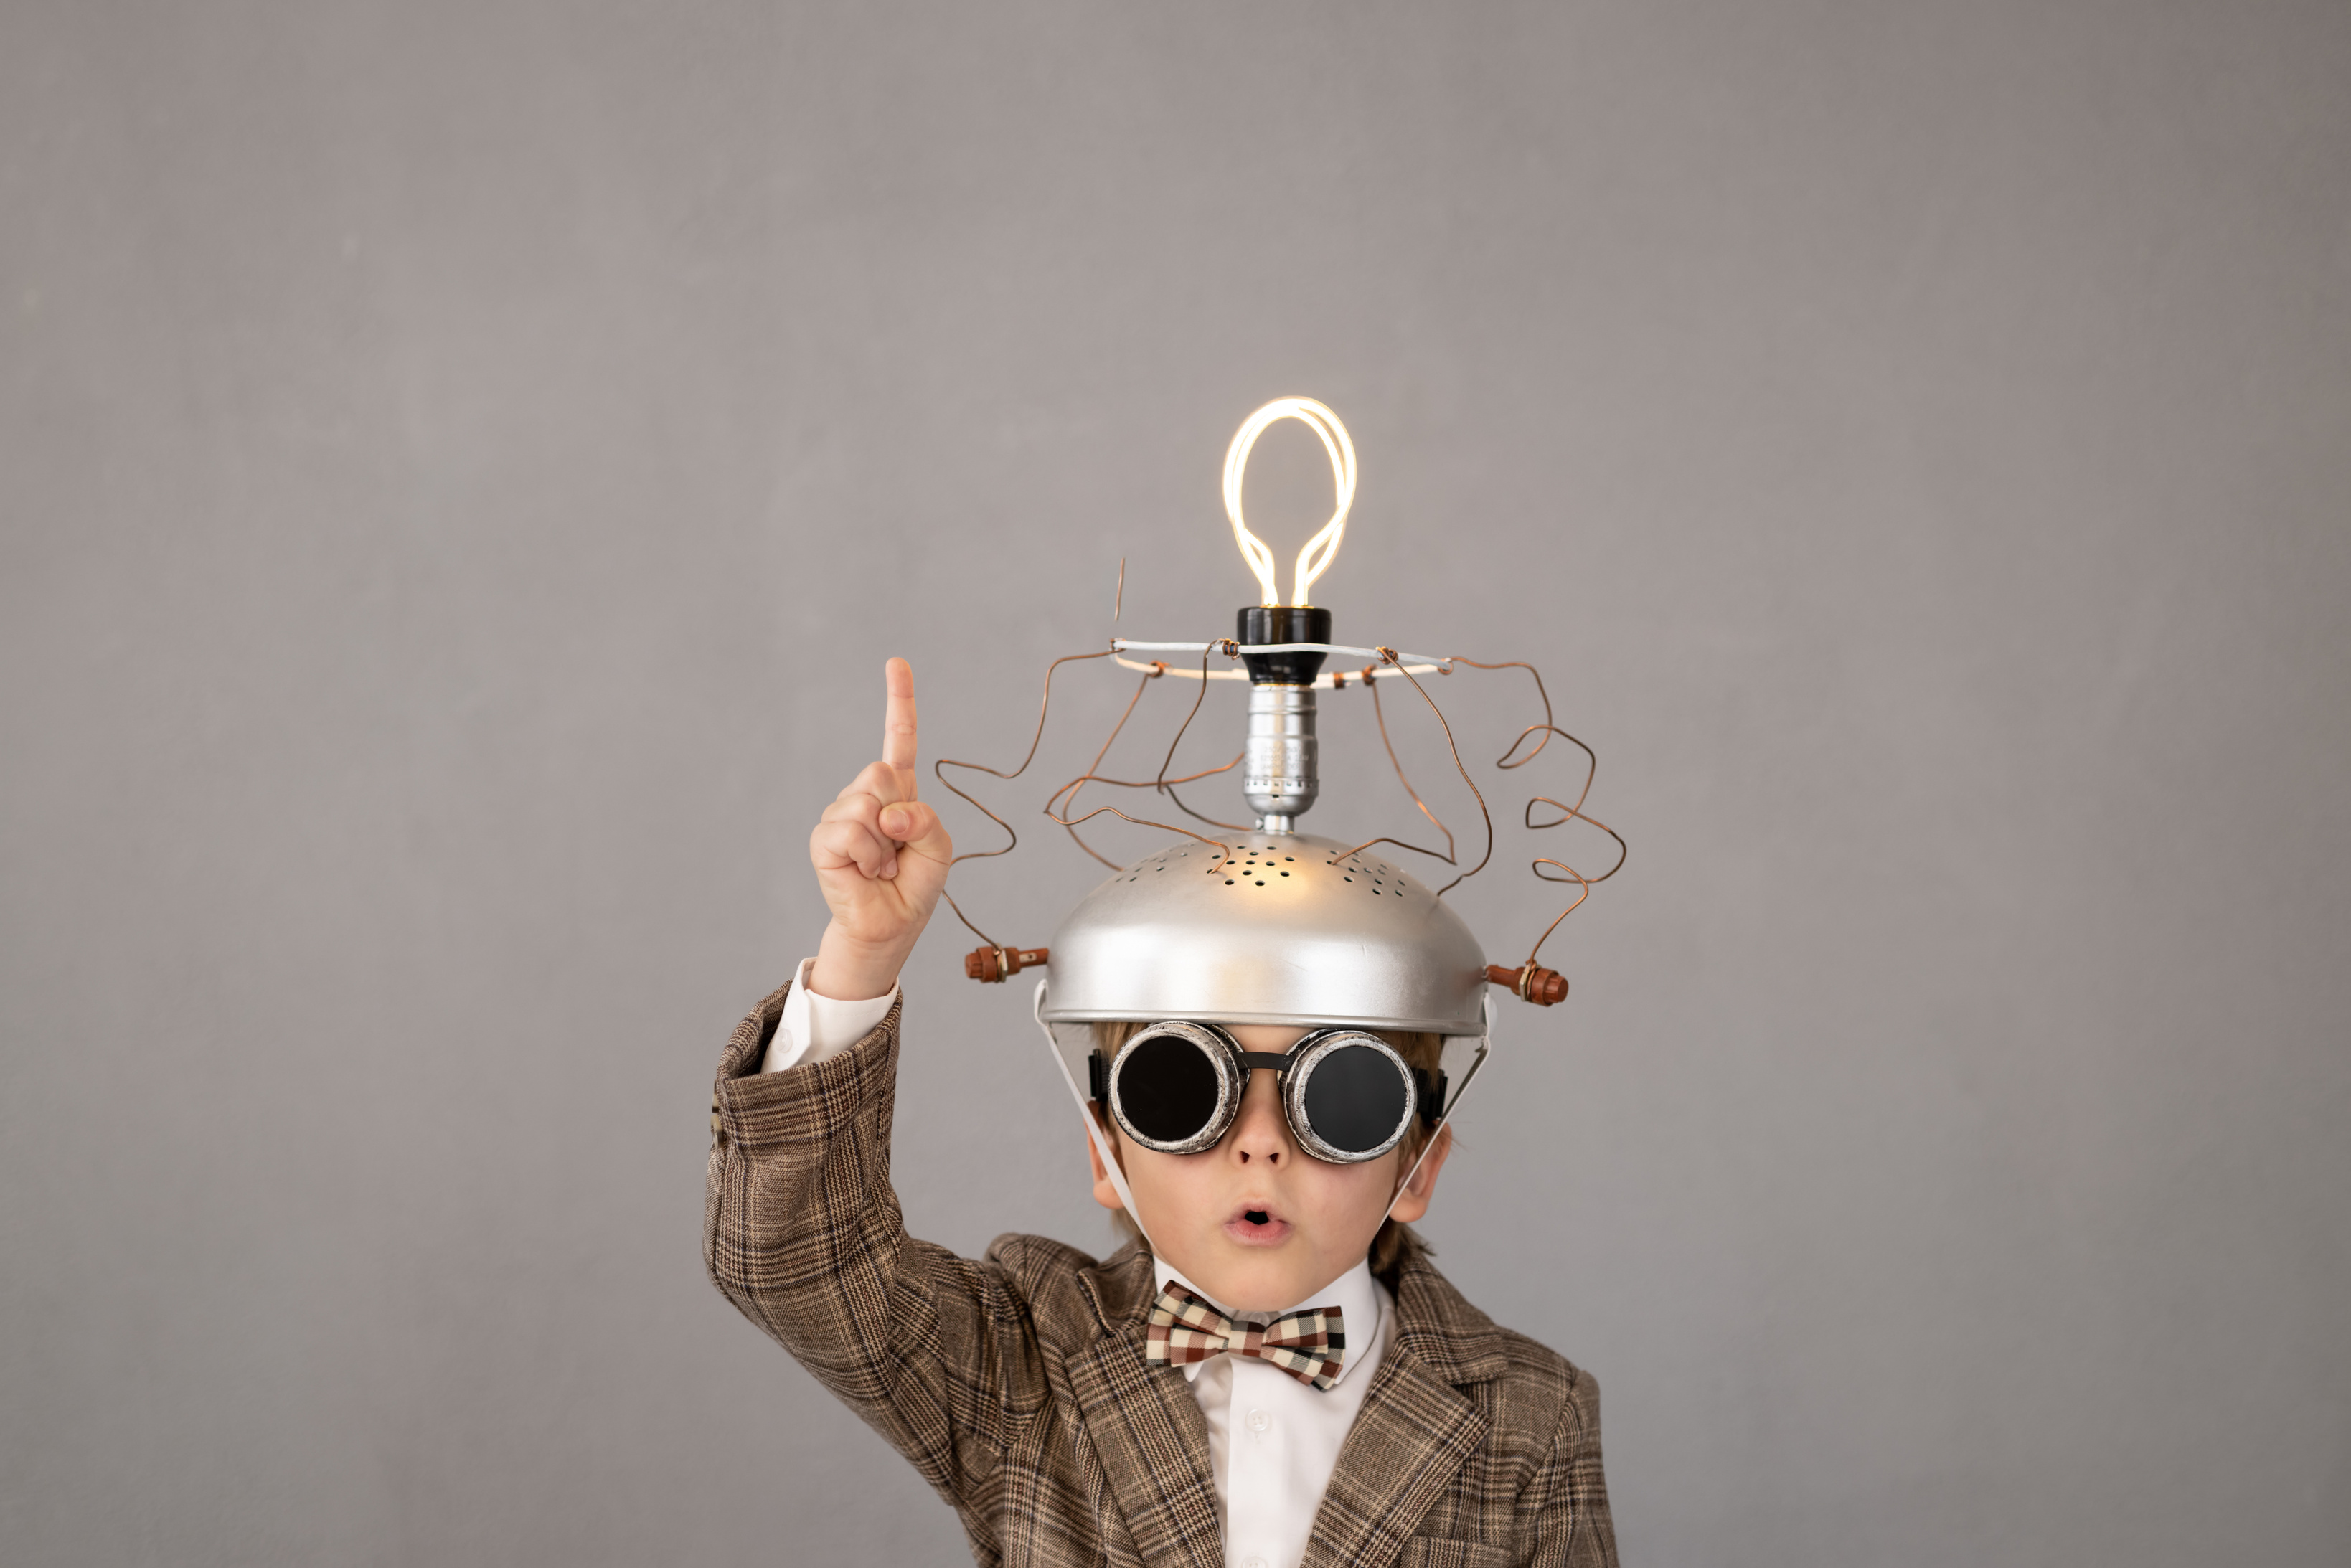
996,963
1540,986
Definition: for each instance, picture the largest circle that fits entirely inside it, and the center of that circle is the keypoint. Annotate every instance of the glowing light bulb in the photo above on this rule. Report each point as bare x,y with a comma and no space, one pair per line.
1324,547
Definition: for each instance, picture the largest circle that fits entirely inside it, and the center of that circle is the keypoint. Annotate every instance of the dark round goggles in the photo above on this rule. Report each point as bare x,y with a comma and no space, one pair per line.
1177,1086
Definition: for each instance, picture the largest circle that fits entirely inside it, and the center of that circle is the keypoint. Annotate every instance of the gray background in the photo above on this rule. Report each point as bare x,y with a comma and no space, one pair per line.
464,465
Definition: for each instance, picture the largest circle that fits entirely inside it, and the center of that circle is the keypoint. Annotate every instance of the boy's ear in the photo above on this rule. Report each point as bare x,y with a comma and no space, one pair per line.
1104,1194
1412,1199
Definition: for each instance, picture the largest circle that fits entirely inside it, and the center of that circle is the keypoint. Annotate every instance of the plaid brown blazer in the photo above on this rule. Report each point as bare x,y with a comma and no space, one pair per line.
1017,1386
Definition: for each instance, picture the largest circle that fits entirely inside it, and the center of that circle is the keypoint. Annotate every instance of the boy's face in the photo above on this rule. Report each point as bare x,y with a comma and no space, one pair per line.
1256,1221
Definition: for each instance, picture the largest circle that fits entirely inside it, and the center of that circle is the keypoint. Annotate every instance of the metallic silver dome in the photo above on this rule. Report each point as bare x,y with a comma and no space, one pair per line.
1285,934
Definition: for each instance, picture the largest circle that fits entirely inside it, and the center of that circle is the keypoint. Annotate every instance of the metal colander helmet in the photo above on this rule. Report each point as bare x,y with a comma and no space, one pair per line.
1289,929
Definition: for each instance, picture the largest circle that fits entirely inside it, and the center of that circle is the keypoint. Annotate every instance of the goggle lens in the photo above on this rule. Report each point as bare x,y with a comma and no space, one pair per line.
1167,1089
1356,1101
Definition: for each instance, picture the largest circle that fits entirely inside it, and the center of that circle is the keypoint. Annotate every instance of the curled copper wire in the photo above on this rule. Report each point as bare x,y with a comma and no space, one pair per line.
1072,788
1225,849
1067,794
1059,805
1567,813
1380,713
1504,761
1388,656
1165,785
938,771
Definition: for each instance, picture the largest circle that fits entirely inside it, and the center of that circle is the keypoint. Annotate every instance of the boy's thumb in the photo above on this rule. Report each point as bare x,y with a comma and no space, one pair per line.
910,821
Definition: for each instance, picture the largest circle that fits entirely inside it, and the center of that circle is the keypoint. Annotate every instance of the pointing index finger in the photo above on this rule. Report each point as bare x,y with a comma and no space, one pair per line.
898,723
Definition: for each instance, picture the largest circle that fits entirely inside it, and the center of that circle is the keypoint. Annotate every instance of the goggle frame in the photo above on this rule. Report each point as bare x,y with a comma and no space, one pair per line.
1294,1068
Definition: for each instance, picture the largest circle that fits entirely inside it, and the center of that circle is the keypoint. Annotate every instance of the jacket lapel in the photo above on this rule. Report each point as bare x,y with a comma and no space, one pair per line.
1146,1427
1410,1439
1416,1430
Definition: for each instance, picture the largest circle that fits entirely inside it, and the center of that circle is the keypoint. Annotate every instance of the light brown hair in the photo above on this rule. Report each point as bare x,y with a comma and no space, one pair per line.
1420,1050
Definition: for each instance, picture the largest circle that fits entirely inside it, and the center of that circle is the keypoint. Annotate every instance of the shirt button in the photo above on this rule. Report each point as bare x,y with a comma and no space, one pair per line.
1259,1421
1255,1563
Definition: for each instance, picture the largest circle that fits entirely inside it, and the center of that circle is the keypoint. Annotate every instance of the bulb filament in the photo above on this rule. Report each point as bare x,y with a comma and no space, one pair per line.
1324,547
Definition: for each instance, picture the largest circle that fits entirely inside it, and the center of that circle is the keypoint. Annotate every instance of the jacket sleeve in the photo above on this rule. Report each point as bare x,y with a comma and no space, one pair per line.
802,1232
1572,1528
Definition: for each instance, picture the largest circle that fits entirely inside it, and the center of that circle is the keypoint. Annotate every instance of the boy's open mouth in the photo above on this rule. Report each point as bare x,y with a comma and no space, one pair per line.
1257,1225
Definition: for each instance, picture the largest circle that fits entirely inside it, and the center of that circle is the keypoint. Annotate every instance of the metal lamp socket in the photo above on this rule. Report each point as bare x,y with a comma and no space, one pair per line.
1280,771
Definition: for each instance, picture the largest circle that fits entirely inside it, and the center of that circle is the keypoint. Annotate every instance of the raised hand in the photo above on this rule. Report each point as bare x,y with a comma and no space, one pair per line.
880,857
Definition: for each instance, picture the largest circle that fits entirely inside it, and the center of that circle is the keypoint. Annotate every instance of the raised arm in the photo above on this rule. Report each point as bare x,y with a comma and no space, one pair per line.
801,1231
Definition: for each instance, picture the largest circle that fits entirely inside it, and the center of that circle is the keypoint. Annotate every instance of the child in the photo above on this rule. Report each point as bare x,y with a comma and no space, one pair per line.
1246,1390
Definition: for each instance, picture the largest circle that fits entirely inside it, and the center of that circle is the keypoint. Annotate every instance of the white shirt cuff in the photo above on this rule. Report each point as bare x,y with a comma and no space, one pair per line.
815,1027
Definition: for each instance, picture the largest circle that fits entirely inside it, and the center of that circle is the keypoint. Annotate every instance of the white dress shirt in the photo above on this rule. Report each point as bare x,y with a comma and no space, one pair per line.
814,1028
1272,1440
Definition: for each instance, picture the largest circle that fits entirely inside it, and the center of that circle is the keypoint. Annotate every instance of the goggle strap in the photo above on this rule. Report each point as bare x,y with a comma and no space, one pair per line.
1477,1065
1086,1114
1430,1088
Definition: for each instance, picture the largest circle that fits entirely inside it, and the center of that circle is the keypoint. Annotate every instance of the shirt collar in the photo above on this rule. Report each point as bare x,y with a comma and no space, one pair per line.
1356,1294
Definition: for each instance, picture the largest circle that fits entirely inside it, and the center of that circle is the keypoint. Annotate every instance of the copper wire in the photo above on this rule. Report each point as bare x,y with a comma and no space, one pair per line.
1504,761
1586,883
1567,814
1527,970
1379,713
1162,781
1570,814
1388,656
1044,706
1061,802
1086,777
1165,785
1067,794
1147,822
1142,783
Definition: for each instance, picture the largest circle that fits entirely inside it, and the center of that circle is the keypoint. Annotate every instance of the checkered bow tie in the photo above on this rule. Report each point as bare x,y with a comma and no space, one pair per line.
1307,1345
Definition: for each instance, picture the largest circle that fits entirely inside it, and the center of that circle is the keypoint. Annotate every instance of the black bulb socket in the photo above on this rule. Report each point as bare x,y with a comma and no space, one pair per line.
1264,624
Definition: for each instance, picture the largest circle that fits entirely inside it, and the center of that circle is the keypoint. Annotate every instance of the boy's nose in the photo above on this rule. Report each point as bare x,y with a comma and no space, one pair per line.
1260,1133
